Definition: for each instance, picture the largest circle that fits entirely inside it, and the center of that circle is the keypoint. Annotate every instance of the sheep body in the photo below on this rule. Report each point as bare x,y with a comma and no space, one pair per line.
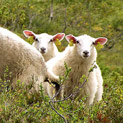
73,57
24,62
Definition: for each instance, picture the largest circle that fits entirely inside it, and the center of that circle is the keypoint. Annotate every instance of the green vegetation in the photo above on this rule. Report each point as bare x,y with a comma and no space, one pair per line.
98,18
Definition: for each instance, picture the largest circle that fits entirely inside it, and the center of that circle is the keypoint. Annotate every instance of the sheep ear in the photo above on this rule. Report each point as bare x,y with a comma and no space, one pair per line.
58,36
28,33
101,40
71,38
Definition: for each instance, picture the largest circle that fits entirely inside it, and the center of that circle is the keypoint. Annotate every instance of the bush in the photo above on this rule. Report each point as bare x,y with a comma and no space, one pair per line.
96,18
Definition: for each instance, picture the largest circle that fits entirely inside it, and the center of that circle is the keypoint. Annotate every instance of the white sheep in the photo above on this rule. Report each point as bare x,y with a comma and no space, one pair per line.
44,43
23,61
80,58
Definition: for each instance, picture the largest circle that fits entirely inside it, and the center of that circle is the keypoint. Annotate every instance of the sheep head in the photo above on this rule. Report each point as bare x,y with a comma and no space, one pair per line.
85,43
43,42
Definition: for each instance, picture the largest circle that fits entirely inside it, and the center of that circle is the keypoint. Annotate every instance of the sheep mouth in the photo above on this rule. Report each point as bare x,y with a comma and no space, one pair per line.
43,52
85,56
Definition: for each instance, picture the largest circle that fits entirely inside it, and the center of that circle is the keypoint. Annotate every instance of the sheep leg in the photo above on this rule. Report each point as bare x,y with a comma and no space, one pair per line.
91,89
99,93
52,76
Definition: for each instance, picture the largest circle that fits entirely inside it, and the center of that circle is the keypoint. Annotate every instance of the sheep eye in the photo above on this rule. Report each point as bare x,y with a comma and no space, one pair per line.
93,43
77,42
36,40
50,40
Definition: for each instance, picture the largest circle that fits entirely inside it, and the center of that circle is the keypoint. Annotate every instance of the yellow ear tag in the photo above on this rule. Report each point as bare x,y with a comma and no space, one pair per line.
57,42
71,43
99,46
30,39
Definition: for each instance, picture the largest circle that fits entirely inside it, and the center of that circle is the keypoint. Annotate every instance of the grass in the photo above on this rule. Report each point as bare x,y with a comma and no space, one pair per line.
95,18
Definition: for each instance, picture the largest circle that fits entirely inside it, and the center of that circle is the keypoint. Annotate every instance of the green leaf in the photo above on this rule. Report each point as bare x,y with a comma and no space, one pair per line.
71,43
30,39
99,46
57,42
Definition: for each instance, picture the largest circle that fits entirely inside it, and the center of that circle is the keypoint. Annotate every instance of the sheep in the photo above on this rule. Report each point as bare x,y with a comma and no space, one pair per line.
23,61
44,43
80,58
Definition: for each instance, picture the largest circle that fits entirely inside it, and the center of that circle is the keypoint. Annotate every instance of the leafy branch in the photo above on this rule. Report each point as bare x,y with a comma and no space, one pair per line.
52,100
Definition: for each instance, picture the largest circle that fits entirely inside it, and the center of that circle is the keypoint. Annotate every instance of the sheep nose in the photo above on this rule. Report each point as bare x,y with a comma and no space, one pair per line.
86,52
43,50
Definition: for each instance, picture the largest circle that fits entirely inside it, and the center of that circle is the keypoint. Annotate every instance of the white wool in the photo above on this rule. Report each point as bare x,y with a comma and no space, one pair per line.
74,58
23,61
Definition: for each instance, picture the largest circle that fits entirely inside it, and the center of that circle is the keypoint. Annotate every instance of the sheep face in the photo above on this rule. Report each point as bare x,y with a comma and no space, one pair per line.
85,44
43,42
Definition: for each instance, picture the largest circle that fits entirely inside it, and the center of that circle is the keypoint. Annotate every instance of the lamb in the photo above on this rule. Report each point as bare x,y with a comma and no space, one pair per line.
80,58
44,43
24,62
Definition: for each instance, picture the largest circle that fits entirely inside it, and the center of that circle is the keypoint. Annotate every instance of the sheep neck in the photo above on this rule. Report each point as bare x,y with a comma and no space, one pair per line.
78,63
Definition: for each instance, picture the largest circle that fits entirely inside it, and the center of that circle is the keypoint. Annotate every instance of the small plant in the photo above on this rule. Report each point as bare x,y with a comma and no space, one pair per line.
96,18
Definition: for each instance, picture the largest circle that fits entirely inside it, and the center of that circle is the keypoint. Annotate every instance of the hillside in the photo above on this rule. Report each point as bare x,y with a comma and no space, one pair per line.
102,18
